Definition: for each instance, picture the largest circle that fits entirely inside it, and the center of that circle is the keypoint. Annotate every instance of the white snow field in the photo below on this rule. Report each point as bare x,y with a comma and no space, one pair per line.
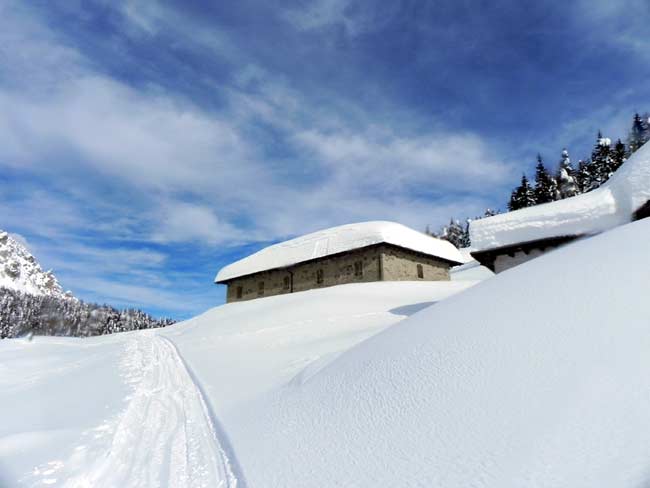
536,377
127,410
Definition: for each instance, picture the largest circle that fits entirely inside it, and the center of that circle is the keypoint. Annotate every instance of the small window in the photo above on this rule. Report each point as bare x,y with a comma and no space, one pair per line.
358,268
260,289
319,276
420,271
287,282
240,291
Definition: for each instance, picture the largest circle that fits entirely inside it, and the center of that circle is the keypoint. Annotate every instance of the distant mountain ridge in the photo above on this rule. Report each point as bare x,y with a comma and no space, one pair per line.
32,302
20,271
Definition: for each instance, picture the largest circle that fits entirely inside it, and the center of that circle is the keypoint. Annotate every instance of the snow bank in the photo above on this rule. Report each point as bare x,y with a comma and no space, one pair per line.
241,350
335,240
590,213
536,377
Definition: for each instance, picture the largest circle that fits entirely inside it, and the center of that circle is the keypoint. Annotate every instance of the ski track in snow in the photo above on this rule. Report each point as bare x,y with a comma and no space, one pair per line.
167,435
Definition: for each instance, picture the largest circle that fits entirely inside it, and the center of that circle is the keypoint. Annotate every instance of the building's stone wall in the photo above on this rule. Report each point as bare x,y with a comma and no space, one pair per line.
336,270
398,265
401,265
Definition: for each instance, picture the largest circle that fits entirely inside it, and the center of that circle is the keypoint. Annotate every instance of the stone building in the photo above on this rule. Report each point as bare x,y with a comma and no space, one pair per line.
507,240
354,253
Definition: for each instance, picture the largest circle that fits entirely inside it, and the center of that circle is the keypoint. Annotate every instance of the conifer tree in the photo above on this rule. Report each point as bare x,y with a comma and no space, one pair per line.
618,155
583,176
565,162
545,185
455,233
602,164
523,196
640,132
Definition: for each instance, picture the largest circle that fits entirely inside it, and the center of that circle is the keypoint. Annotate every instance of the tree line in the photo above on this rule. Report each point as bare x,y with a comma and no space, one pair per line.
565,182
23,314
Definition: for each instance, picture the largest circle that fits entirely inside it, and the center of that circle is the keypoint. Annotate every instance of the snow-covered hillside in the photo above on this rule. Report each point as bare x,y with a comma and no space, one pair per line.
105,410
20,271
535,377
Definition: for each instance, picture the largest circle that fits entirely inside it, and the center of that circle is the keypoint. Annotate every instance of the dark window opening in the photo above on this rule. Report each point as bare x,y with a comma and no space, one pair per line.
319,276
287,282
260,289
240,291
420,271
358,268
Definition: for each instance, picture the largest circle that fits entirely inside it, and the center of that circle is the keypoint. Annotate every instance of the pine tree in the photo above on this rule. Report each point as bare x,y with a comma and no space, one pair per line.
619,155
545,185
566,177
583,176
565,162
455,233
639,134
523,196
602,164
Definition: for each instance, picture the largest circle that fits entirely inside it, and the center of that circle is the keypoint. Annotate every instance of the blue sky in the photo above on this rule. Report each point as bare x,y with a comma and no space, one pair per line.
143,145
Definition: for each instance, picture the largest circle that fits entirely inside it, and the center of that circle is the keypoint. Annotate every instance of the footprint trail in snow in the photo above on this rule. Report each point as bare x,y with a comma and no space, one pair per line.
166,436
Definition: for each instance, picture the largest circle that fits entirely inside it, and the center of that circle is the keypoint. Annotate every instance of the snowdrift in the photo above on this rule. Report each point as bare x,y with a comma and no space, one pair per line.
536,377
606,207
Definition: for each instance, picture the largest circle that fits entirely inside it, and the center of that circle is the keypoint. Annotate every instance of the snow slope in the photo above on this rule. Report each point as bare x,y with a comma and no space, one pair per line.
127,410
20,271
335,240
590,213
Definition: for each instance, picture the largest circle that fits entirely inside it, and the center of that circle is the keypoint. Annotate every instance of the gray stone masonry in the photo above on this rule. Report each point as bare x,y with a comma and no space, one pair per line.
373,263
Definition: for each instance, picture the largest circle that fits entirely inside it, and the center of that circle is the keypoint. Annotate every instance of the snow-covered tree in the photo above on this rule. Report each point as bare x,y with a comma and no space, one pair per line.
565,162
566,177
602,164
523,196
22,314
583,176
545,185
619,154
640,132
455,233
490,212
567,184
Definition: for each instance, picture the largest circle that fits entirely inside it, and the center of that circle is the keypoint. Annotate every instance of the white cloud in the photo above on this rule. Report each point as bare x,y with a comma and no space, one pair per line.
188,222
624,22
355,17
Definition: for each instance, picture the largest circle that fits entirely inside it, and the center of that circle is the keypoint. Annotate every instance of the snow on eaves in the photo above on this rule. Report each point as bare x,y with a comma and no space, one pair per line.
335,240
611,205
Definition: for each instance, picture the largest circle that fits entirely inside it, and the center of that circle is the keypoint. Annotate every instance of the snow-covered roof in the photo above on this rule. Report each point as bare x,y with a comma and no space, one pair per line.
611,205
335,240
